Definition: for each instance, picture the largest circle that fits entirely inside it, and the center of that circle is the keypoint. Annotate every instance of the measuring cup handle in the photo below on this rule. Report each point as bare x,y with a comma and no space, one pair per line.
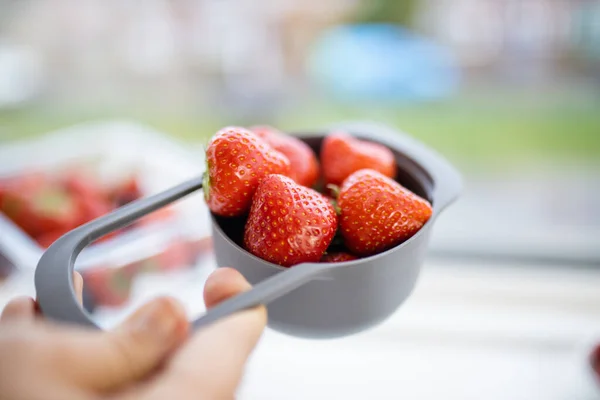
264,292
54,272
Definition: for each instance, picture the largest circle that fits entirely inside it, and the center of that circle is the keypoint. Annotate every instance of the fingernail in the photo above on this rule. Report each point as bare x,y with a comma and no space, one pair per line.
158,319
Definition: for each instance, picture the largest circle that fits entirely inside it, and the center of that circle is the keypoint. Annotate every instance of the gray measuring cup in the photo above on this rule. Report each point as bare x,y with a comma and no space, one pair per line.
313,300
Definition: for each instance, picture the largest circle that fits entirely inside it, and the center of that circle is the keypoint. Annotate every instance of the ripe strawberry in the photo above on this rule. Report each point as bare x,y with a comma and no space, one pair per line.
25,184
126,192
236,162
82,184
54,209
303,161
377,213
338,257
342,155
288,223
160,215
91,208
202,246
48,209
47,238
109,287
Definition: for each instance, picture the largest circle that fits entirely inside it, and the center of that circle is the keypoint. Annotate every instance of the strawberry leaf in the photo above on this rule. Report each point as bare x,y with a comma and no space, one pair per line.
52,202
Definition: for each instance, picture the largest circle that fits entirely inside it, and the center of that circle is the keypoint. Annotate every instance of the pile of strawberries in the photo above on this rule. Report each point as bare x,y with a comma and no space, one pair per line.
46,206
273,180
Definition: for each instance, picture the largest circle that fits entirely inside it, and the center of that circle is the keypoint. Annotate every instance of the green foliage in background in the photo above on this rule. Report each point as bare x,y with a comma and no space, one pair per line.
386,11
492,130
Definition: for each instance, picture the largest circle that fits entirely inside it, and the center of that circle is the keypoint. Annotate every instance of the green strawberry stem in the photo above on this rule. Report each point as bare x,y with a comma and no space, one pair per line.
206,183
335,190
336,207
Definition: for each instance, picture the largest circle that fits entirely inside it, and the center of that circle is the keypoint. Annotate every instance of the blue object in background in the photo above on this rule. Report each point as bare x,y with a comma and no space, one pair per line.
381,62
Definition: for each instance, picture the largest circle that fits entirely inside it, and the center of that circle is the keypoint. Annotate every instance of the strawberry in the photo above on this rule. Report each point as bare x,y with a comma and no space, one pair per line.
304,167
126,192
342,155
108,287
24,184
237,160
289,223
91,208
54,209
202,246
377,213
338,257
160,215
82,184
47,238
177,255
48,209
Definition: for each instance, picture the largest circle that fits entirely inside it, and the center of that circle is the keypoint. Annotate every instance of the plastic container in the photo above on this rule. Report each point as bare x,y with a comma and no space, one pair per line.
114,150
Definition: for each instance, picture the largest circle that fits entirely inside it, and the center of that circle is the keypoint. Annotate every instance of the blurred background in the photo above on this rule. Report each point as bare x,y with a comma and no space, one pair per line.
507,90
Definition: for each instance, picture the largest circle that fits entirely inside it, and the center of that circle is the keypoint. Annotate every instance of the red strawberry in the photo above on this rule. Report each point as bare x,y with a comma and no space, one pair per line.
202,246
126,192
237,160
91,208
288,223
48,209
108,286
46,239
160,215
177,255
342,155
82,184
303,161
24,184
54,209
377,213
338,257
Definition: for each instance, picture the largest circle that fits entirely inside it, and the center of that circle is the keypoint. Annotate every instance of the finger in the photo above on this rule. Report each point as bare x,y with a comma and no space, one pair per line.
108,360
222,284
21,308
78,286
213,361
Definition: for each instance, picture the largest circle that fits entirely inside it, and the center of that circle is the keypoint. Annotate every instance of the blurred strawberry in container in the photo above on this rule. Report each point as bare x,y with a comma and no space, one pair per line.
58,181
46,207
125,192
108,286
111,287
40,210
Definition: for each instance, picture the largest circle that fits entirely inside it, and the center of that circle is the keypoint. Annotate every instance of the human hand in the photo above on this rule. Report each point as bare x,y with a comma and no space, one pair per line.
150,356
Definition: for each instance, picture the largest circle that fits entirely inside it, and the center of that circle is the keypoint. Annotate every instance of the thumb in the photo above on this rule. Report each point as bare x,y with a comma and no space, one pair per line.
212,362
107,360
